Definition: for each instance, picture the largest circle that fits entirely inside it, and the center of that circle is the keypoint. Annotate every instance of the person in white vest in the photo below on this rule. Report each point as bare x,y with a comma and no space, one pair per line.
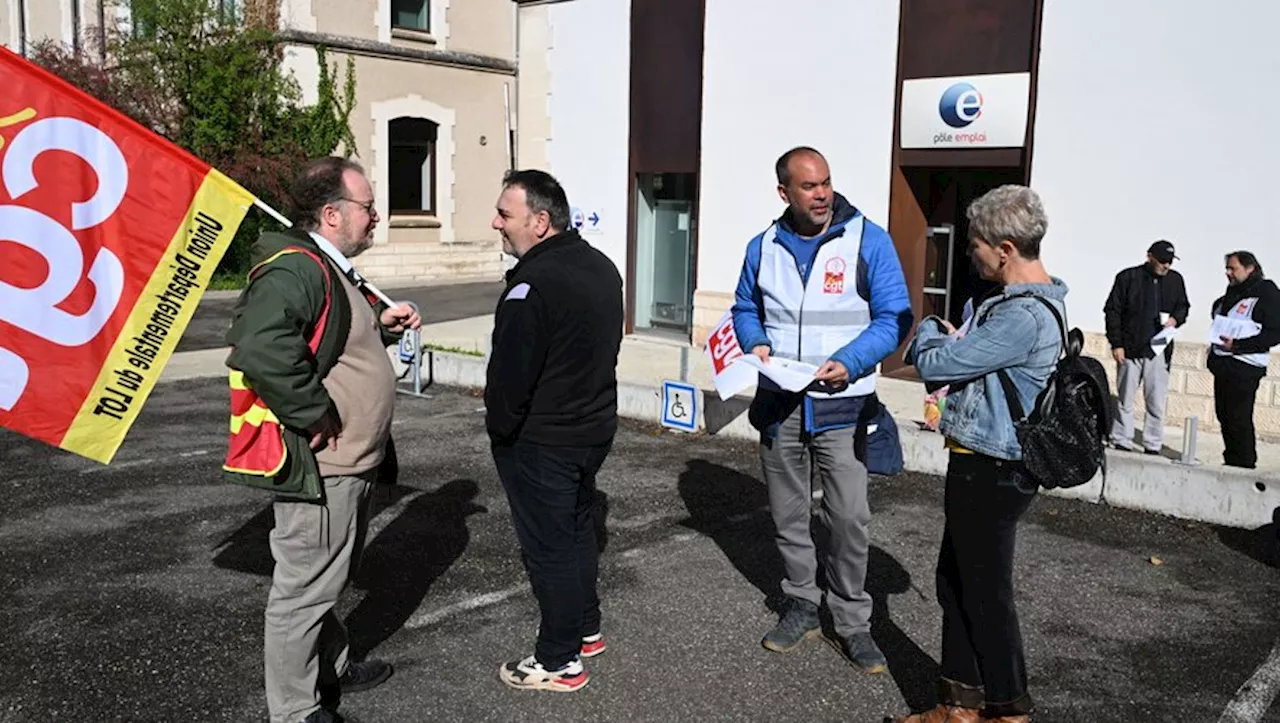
822,285
1251,311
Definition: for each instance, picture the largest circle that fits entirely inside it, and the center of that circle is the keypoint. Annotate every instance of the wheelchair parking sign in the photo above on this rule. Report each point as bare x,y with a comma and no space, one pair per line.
679,406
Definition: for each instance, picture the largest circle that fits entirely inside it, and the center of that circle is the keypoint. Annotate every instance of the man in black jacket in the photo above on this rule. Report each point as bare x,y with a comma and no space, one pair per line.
1144,300
1238,364
551,403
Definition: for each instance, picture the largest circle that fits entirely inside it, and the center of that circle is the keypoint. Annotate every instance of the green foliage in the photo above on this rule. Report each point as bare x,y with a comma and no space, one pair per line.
195,74
452,350
227,281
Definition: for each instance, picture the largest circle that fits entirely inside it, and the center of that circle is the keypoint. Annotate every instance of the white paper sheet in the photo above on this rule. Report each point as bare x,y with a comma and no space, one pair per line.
793,376
1161,340
1225,328
735,379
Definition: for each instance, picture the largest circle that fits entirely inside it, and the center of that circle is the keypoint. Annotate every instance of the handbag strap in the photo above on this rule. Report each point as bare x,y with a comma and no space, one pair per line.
1011,396
1010,391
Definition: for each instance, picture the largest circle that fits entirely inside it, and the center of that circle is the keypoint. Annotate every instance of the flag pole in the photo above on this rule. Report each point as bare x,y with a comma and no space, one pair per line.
334,255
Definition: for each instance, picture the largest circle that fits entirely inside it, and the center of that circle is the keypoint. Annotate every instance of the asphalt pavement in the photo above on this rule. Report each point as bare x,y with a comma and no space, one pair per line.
135,592
445,302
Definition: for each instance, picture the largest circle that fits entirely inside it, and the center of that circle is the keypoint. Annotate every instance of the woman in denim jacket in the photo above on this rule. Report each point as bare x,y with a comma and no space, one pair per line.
984,674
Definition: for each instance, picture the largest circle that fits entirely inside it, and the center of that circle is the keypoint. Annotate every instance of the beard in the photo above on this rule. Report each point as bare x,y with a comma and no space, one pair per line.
355,242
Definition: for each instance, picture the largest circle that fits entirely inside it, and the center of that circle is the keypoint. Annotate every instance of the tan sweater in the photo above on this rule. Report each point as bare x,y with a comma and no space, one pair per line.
362,385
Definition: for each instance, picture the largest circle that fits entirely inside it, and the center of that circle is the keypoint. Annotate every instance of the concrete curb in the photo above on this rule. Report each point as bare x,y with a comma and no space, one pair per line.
1205,493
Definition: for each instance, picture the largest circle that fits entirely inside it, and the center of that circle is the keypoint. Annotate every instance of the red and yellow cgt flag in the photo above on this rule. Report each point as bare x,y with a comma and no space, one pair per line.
109,236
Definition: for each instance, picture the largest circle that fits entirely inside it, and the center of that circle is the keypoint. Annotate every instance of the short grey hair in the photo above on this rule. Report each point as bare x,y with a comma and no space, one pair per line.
1009,213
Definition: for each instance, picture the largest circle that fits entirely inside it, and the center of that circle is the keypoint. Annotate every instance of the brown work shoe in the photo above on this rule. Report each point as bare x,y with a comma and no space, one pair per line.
960,704
1007,719
942,714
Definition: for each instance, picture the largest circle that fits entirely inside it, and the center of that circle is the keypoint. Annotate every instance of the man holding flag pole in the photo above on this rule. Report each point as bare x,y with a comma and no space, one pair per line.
313,392
121,233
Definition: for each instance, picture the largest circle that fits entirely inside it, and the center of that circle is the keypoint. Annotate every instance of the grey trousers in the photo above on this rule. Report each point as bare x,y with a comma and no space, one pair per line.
316,548
788,461
1153,375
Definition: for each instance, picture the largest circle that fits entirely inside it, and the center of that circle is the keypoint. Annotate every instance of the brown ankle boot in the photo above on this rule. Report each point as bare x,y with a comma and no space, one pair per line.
960,704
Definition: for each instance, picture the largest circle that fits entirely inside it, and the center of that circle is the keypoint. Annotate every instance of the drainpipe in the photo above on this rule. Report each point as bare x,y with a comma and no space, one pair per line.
514,134
75,27
22,27
102,30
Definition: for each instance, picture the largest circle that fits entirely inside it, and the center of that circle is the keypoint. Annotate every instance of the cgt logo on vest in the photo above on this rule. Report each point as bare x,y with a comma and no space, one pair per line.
833,277
960,105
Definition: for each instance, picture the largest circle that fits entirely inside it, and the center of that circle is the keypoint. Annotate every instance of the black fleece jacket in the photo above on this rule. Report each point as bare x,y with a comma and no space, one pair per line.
1133,309
552,376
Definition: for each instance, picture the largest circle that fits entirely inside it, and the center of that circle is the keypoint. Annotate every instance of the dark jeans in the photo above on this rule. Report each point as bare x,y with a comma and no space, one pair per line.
551,491
1234,393
981,641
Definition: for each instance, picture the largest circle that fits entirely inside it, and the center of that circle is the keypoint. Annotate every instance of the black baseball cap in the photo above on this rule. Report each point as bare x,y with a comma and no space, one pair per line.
1162,251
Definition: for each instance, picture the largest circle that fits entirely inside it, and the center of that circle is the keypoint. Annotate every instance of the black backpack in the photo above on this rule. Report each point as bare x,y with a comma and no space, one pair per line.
1062,437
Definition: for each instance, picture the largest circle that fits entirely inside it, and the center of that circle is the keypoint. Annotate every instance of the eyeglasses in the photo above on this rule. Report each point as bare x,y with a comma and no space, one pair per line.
367,206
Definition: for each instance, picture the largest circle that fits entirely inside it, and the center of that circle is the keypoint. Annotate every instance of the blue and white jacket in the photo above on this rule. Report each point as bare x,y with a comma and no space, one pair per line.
840,296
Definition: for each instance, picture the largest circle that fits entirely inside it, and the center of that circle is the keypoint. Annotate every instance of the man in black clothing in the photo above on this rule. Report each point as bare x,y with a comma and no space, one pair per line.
551,403
1238,364
1144,300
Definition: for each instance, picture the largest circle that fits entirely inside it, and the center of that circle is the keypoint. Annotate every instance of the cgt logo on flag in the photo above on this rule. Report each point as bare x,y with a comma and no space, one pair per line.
113,235
722,345
721,350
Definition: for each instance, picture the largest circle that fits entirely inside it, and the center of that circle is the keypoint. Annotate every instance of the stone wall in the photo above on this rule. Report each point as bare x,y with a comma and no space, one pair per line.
417,255
1191,387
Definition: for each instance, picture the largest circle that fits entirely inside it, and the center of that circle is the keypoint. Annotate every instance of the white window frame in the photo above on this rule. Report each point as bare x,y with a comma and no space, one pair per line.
428,189
414,106
439,22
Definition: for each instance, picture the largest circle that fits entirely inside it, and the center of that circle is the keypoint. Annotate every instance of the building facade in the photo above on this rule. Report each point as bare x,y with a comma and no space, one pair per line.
434,81
663,118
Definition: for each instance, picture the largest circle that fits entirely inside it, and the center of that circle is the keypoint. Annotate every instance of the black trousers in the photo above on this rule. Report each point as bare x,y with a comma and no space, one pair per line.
981,640
552,491
1235,389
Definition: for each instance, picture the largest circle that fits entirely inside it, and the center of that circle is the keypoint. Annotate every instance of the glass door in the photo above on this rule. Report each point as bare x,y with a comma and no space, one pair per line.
665,227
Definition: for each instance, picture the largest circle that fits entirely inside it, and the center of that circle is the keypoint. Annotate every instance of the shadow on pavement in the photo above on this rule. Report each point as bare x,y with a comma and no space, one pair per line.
248,548
407,557
914,671
1261,544
732,509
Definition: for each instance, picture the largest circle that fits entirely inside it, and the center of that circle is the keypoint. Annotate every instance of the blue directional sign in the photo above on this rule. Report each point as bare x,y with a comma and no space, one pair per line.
576,217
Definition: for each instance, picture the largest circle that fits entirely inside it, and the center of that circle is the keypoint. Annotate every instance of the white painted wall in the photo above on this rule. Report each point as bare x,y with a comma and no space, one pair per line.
303,62
589,107
756,82
1156,118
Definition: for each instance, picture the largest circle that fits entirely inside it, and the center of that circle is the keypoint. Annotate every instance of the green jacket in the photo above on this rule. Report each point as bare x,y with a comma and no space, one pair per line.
270,326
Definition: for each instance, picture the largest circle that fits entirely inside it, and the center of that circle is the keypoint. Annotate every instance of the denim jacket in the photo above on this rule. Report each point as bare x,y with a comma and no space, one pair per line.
1019,336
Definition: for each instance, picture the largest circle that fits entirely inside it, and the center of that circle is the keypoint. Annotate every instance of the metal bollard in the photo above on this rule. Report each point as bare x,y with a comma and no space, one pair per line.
684,363
1190,429
411,346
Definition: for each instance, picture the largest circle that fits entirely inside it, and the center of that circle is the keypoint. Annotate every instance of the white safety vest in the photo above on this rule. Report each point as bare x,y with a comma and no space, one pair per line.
1243,310
810,323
